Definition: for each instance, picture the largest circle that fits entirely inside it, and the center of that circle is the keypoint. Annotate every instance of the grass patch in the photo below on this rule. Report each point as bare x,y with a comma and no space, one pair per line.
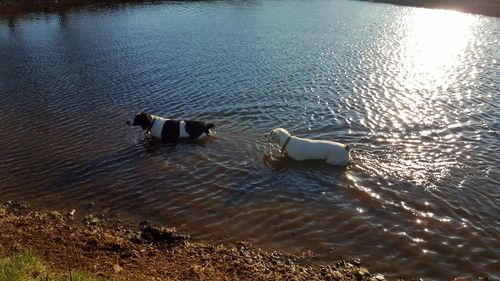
26,266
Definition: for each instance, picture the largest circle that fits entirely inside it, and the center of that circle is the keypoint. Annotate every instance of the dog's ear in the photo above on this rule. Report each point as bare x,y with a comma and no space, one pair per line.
143,119
273,136
147,116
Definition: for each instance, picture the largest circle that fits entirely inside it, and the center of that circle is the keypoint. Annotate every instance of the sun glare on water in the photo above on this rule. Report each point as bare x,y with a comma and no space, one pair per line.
435,42
424,77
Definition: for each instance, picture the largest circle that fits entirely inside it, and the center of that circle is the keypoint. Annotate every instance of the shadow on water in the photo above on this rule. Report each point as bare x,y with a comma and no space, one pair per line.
57,6
12,13
153,145
284,163
129,157
15,11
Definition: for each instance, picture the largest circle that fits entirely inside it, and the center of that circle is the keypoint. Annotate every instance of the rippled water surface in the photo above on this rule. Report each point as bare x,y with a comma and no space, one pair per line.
416,91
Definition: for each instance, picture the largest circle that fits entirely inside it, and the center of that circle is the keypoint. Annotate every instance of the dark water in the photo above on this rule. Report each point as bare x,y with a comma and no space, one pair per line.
417,91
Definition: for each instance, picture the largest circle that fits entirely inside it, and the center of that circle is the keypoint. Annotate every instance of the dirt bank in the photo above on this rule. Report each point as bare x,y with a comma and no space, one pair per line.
69,242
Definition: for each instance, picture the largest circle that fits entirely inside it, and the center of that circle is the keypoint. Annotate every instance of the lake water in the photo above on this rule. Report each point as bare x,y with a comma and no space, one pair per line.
416,90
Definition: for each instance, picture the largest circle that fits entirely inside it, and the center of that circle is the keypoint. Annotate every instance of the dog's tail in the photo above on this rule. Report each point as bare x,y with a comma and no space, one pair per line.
208,127
348,148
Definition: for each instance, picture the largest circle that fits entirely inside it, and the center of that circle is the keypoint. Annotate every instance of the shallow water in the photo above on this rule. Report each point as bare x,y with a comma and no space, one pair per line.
416,91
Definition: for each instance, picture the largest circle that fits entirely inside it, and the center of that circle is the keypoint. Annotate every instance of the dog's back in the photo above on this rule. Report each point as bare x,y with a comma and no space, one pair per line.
170,131
195,129
307,149
173,130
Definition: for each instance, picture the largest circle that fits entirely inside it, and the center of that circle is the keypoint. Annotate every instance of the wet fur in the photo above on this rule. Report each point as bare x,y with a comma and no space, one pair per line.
300,149
169,130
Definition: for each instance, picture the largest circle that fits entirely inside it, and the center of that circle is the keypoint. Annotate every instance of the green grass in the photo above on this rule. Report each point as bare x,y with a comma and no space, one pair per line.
22,266
26,266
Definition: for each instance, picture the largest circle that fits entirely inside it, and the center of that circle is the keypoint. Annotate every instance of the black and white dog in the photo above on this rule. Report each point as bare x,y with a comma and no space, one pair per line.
169,130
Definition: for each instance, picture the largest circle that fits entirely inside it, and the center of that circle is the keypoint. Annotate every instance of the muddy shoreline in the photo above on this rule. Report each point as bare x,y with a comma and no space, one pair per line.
107,249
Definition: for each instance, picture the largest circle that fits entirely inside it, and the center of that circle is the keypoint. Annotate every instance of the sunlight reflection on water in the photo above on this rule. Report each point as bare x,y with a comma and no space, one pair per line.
434,45
414,102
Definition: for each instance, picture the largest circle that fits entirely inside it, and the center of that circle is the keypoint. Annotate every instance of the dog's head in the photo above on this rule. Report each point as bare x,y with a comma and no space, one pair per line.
143,119
277,135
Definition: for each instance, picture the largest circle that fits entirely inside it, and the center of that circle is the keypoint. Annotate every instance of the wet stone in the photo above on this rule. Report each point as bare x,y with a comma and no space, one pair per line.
363,272
356,261
90,219
117,268
55,215
162,235
336,274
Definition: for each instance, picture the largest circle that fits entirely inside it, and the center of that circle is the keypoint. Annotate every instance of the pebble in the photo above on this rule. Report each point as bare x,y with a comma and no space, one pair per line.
336,274
363,271
18,247
55,215
356,261
117,268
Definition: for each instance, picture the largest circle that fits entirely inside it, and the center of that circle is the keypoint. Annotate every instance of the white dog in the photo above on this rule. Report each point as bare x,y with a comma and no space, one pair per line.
306,149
